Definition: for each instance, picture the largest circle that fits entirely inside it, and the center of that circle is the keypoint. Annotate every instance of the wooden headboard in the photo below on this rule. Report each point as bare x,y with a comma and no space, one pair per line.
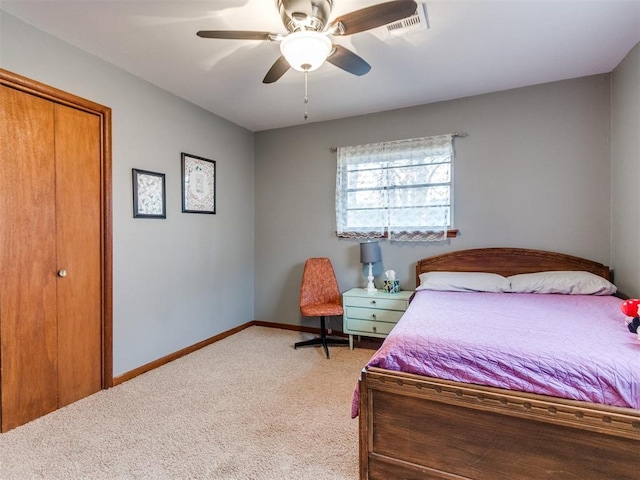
507,261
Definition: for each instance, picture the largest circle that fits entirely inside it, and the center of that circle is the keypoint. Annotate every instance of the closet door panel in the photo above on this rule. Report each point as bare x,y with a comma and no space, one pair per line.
28,332
78,207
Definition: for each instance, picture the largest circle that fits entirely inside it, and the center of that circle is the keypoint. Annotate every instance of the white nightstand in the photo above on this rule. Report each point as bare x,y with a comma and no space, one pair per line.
372,314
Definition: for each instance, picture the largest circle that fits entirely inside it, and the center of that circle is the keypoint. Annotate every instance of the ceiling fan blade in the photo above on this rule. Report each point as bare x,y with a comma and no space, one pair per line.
347,60
278,69
235,34
374,16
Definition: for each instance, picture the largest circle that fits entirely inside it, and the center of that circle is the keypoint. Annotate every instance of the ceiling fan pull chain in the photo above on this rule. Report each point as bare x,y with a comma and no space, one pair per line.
306,97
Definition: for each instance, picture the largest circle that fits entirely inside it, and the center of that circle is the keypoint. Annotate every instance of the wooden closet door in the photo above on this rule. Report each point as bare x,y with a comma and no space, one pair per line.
79,253
28,312
55,249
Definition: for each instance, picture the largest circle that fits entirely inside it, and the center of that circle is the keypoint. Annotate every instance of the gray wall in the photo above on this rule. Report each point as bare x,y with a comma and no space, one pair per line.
533,172
625,173
176,281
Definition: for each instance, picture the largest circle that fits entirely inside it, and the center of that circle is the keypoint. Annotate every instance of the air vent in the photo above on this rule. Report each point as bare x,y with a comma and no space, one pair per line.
415,23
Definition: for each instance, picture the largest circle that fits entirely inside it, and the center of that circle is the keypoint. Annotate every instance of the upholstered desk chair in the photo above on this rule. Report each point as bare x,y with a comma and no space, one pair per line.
320,297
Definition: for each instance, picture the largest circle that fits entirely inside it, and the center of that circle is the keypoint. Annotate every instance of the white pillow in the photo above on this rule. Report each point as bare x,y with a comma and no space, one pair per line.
464,282
575,283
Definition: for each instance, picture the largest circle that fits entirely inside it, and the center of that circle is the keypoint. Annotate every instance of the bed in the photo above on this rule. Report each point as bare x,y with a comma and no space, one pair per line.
413,426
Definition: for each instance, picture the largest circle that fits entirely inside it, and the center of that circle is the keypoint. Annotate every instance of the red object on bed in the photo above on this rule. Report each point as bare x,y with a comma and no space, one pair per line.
569,346
630,307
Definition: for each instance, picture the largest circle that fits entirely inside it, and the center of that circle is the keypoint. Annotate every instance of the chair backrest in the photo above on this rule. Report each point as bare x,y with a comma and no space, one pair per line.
319,284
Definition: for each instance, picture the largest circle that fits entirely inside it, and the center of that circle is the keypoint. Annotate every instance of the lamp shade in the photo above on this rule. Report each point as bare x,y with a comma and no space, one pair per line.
370,252
306,50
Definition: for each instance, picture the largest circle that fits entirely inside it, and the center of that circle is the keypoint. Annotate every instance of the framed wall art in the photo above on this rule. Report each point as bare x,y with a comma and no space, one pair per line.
149,194
198,184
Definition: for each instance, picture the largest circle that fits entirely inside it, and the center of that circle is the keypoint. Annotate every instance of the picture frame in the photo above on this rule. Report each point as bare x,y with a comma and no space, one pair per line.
198,184
149,194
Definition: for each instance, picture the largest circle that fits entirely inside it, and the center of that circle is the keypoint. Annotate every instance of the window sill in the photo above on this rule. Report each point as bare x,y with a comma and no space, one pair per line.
451,233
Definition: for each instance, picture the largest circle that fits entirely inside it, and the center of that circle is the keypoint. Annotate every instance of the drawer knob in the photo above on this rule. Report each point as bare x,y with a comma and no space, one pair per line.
373,315
373,302
375,329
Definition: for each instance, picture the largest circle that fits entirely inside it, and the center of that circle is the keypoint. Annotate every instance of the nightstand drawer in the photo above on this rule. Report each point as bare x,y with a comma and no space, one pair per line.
372,314
381,303
366,327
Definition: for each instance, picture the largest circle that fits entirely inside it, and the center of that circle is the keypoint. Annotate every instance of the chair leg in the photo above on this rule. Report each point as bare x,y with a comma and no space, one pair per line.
323,339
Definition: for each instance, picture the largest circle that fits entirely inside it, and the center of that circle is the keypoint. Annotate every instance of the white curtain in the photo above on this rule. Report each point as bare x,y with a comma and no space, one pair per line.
402,189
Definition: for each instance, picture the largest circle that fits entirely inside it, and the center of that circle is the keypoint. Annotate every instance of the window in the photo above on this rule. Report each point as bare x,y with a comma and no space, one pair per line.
401,189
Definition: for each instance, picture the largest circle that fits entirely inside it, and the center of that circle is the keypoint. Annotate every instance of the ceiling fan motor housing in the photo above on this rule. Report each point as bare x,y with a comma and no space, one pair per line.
299,15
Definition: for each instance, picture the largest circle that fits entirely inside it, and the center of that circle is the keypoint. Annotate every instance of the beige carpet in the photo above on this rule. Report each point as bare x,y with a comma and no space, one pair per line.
247,407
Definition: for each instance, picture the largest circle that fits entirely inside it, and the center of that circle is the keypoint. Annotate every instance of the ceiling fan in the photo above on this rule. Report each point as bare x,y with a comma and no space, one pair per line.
306,45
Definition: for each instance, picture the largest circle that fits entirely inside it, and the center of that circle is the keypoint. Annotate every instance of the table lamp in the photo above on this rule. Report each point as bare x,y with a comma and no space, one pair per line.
370,253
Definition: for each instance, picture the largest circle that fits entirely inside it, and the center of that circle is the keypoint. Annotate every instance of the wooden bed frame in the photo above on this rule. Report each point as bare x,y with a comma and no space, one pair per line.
415,427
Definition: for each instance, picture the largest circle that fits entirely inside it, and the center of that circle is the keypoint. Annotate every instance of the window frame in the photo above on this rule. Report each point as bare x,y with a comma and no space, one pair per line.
383,156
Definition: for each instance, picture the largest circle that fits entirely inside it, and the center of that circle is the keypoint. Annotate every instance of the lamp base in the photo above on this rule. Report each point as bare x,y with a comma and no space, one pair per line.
370,286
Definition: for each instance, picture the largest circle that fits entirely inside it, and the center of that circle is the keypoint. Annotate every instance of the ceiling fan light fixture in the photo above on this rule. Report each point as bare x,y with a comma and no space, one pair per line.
306,50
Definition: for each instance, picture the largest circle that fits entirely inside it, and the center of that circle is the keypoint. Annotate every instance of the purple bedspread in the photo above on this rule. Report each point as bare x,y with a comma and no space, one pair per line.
570,346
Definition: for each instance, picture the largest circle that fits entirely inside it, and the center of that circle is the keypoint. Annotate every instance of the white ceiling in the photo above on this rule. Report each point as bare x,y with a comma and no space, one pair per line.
471,47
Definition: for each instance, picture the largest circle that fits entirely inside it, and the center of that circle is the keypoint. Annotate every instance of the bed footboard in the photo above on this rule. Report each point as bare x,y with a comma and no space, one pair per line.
414,427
